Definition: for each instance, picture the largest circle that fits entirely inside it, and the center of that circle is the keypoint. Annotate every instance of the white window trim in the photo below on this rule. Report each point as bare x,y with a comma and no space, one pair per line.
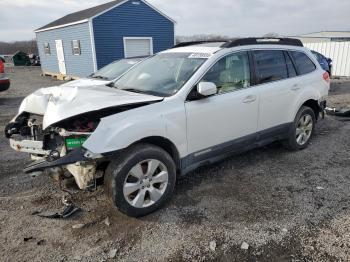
60,26
79,54
93,48
138,38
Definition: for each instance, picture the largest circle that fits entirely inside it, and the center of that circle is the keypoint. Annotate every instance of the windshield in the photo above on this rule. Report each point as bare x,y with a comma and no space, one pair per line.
115,69
162,74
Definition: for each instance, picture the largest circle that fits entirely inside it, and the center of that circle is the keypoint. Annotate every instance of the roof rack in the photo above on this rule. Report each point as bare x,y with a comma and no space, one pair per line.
262,41
183,44
245,41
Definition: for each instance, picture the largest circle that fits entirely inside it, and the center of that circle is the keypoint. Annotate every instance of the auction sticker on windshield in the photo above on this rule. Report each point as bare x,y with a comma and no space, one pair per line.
199,55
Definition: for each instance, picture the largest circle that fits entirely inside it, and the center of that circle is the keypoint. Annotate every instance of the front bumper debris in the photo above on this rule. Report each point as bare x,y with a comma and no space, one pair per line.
74,156
344,112
29,146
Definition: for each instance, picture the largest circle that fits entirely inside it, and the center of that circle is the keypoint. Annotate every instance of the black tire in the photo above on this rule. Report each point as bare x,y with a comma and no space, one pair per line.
291,143
118,170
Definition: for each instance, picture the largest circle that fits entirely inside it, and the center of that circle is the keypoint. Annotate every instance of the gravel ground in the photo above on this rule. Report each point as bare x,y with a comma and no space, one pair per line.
280,205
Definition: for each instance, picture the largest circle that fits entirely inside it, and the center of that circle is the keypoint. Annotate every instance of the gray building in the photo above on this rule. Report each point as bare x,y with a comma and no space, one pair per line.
325,36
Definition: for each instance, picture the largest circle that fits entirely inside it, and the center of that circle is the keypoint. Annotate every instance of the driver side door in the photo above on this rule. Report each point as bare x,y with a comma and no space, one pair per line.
226,121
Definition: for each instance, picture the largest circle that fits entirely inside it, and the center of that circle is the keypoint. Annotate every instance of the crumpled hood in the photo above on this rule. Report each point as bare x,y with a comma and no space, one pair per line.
87,82
59,103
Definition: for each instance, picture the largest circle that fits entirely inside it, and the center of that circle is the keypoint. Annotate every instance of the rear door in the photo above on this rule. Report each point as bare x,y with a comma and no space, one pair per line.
278,87
228,120
60,57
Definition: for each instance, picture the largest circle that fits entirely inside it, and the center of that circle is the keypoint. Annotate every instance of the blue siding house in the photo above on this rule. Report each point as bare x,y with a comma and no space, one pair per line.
80,43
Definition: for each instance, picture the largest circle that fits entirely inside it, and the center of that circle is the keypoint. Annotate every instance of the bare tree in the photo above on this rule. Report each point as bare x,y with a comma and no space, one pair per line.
29,47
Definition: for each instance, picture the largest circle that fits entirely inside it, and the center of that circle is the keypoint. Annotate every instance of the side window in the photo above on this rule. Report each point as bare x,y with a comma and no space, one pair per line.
291,69
302,62
47,50
76,47
271,65
230,73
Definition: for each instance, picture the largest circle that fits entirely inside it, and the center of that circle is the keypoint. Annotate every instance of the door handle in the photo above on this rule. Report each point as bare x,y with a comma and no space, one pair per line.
295,87
249,99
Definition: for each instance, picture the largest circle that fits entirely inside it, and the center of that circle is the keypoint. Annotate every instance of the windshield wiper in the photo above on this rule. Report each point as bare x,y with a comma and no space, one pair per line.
100,77
148,92
134,90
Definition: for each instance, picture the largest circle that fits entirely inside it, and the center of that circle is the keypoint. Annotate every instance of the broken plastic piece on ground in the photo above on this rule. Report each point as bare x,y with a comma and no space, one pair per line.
26,239
67,212
338,111
35,212
41,242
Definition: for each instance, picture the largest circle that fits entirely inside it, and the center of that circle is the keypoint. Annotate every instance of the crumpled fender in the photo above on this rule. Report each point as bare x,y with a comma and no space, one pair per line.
36,103
119,131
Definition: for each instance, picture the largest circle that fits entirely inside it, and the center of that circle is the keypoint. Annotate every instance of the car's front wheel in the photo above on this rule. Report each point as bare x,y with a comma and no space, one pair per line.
302,129
140,181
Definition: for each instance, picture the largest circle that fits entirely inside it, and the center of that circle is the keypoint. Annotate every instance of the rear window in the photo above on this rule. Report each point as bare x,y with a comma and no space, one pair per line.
303,63
270,65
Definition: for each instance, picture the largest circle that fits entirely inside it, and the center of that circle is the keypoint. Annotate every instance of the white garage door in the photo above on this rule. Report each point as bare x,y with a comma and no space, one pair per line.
138,46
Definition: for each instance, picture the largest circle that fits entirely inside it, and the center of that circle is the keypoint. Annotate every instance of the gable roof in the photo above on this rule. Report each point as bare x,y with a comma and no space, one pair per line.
84,15
81,15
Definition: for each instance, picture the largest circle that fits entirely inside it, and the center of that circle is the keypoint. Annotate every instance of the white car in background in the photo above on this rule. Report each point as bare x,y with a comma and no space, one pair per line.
183,108
107,74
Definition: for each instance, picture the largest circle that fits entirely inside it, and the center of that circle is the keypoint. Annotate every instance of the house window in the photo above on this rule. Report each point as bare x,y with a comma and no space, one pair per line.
76,47
47,50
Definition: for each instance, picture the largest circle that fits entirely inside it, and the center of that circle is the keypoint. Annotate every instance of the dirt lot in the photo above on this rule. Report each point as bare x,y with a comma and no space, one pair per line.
287,206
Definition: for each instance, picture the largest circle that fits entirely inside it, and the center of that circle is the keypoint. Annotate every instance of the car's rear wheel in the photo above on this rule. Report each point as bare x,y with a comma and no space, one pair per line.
302,129
141,181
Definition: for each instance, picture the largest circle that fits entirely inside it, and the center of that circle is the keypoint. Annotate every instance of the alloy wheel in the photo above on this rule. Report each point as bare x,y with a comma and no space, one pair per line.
304,129
145,183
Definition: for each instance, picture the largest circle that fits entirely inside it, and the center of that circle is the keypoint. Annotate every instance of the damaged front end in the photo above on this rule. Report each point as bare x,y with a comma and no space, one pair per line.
53,124
57,149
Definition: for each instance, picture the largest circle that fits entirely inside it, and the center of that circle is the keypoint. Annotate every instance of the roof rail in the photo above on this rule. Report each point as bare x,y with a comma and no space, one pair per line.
262,41
183,44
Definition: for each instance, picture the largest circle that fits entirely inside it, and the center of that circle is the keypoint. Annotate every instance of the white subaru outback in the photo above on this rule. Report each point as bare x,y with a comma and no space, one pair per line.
180,109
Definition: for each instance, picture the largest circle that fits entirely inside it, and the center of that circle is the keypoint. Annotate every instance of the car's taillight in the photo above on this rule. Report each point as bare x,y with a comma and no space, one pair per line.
326,77
2,67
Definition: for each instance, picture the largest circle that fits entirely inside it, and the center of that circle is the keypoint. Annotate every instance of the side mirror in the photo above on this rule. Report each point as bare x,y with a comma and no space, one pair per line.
207,88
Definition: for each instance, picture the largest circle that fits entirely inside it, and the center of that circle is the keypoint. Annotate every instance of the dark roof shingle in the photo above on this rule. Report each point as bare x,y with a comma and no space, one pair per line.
81,15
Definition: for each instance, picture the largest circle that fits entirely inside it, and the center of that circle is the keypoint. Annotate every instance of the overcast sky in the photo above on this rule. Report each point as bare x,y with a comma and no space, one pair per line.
19,18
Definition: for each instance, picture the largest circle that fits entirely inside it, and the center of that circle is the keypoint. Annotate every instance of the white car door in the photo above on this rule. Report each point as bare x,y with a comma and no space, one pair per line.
278,89
219,123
